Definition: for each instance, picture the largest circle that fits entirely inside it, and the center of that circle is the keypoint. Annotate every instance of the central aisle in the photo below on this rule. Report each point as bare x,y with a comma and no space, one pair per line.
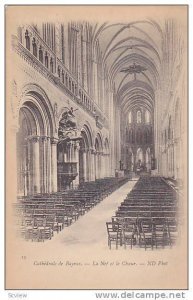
90,229
79,258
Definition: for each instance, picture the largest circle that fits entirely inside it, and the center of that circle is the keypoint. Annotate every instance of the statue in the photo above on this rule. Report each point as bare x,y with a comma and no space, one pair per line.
67,125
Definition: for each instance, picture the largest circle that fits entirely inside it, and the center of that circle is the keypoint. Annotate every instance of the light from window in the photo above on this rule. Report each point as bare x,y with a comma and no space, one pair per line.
147,116
130,117
138,116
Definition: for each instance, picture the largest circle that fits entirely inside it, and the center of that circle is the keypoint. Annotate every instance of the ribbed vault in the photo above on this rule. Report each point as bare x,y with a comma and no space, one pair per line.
123,45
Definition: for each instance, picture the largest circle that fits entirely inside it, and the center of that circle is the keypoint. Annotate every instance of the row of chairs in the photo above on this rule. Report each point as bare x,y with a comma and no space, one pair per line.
142,232
41,215
148,217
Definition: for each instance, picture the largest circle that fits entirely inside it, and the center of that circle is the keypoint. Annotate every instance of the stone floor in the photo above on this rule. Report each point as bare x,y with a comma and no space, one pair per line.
79,258
90,229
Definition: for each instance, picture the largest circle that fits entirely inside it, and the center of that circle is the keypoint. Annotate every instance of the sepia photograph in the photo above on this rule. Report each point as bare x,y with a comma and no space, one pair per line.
96,147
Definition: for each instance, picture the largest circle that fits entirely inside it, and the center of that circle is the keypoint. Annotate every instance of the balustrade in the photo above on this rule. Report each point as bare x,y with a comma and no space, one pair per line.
34,45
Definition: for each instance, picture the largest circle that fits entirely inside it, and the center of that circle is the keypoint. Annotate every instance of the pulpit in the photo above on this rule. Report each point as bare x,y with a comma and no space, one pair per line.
67,172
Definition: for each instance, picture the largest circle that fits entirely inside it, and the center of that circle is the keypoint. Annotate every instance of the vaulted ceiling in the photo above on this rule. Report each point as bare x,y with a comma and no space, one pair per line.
132,55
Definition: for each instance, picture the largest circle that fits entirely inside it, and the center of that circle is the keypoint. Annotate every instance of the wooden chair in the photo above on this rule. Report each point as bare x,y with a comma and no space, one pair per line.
129,231
146,235
160,232
172,230
114,232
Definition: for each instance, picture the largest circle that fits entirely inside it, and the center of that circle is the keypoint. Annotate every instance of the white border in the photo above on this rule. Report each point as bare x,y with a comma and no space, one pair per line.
88,295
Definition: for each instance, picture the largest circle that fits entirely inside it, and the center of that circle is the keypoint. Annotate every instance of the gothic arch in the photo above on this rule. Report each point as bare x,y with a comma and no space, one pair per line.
34,144
36,95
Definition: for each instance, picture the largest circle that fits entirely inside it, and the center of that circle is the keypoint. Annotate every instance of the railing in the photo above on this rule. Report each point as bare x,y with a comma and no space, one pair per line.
31,42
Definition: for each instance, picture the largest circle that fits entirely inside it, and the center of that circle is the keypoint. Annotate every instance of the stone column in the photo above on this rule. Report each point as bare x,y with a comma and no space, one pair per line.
106,165
36,164
109,167
76,159
49,182
43,163
95,82
89,164
157,128
93,152
92,164
84,63
84,164
54,184
102,165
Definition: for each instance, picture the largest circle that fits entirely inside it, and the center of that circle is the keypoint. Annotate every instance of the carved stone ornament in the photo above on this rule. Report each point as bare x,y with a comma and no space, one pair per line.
68,127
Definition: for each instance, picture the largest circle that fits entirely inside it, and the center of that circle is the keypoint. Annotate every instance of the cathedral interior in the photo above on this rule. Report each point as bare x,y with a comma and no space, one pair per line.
93,107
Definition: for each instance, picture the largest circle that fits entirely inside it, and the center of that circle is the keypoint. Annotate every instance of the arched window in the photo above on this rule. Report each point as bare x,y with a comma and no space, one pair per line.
46,60
41,55
27,40
51,65
34,47
147,116
130,117
138,116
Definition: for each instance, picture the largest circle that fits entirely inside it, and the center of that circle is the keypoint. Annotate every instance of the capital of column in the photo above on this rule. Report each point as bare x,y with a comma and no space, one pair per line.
89,150
54,141
106,154
93,150
34,139
100,153
44,138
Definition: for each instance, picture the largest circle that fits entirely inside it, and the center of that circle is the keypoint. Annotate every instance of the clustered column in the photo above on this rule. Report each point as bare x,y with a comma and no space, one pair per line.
54,185
36,163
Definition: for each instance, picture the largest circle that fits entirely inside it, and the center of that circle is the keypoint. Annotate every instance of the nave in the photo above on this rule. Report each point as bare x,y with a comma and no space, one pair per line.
43,215
143,213
82,248
97,108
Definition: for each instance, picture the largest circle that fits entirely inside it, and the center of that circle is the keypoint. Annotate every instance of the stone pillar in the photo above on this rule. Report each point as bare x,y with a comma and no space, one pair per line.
36,164
43,162
92,164
84,64
109,167
94,154
54,184
49,167
84,164
76,149
106,165
102,165
95,81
